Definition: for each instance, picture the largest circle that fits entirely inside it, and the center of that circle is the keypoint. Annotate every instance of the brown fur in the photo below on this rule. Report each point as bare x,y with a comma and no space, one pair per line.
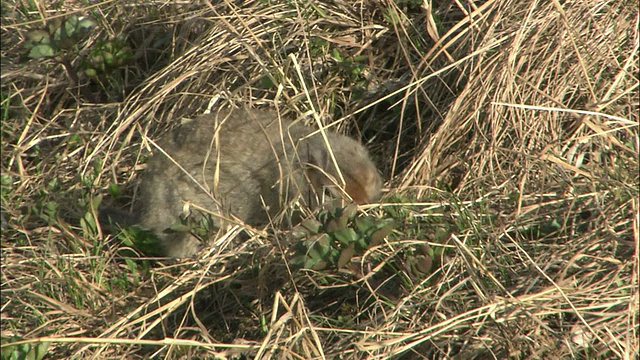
242,160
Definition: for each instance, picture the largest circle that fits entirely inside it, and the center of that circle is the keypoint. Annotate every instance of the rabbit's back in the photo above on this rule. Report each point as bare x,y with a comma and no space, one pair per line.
251,164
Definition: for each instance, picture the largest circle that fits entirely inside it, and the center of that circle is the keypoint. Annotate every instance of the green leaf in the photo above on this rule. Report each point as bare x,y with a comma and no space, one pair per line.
54,25
350,211
322,247
141,239
266,82
41,51
108,58
297,261
72,21
124,55
361,58
57,34
320,265
88,224
114,190
6,180
95,202
425,249
299,232
40,350
51,209
310,262
362,245
314,253
378,236
74,139
333,255
336,54
70,31
39,36
179,228
86,23
442,235
323,216
423,264
333,225
343,220
35,351
345,236
364,224
346,255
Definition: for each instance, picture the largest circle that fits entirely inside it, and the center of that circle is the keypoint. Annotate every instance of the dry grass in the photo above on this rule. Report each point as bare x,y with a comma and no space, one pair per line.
507,131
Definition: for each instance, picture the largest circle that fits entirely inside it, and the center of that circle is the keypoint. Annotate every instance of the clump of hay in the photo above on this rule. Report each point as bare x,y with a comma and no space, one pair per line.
509,128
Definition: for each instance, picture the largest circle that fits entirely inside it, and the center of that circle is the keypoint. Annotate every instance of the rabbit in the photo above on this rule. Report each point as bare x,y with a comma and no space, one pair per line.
249,164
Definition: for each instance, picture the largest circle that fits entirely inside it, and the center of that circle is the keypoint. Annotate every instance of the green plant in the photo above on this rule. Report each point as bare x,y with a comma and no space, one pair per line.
30,351
61,40
350,68
60,34
336,236
106,56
